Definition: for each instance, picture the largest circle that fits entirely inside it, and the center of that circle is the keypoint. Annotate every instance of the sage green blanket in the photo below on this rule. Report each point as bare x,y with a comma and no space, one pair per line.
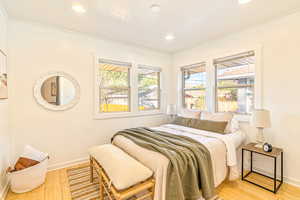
190,167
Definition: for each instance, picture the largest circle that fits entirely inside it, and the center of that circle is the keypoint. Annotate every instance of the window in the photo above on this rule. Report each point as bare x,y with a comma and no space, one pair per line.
148,88
114,86
124,89
235,76
194,86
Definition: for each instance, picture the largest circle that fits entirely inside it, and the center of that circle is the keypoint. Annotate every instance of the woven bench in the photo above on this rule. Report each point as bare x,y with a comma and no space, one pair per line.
120,176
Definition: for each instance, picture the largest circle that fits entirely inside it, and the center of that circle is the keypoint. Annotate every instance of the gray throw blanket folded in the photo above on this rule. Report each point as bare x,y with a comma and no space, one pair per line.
190,167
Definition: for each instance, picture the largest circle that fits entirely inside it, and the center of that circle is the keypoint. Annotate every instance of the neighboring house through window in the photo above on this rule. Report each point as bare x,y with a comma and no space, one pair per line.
230,83
194,86
114,86
235,78
148,88
124,89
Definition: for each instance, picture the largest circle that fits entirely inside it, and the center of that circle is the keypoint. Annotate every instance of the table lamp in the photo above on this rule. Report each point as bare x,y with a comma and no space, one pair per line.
261,120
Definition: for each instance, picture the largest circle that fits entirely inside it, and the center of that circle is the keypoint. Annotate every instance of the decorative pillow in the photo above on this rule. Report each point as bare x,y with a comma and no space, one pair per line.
235,125
207,125
190,114
182,121
219,117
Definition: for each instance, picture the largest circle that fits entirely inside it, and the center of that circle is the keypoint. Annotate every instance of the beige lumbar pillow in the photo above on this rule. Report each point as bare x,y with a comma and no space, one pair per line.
207,125
219,117
182,121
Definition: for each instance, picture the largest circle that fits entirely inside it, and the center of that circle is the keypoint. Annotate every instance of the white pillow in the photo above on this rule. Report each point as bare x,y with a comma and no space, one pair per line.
235,125
219,117
190,114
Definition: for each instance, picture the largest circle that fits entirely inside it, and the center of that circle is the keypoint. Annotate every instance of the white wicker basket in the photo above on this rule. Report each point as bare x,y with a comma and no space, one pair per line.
30,178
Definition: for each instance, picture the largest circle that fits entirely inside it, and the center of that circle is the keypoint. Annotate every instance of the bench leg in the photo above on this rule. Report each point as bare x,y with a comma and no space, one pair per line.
91,170
152,190
101,189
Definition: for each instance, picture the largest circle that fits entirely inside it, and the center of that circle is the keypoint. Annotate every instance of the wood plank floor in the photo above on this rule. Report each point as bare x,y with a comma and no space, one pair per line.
56,188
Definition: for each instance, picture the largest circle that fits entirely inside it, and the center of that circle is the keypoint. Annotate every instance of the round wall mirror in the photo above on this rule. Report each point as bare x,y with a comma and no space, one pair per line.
57,91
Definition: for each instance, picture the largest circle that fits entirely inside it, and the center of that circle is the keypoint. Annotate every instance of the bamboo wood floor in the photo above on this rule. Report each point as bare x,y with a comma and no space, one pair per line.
56,188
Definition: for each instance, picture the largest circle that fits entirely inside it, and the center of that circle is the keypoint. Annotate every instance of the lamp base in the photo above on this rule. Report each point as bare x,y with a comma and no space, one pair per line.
259,145
260,139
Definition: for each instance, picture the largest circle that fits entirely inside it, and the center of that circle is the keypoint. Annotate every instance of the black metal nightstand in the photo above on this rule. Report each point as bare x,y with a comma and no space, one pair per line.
276,152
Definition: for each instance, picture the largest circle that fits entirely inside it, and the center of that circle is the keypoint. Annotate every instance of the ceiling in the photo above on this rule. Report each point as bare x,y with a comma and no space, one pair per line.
131,21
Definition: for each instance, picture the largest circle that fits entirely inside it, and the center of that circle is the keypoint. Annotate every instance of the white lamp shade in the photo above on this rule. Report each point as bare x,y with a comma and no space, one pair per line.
171,109
261,119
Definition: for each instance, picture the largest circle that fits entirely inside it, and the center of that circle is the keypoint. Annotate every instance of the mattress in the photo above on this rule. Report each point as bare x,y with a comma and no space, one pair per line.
223,150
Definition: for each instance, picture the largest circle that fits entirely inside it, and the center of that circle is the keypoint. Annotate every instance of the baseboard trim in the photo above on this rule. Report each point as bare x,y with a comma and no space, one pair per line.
67,164
3,193
292,181
287,180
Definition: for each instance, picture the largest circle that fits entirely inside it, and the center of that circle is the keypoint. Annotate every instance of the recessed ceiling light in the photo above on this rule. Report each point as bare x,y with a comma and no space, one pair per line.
155,8
78,8
244,1
170,37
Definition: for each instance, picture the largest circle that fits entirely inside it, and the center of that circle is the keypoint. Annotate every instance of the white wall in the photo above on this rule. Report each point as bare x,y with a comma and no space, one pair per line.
4,132
35,50
280,74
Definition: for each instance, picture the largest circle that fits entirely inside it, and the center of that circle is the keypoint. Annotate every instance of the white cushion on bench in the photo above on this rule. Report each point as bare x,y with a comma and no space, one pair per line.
123,170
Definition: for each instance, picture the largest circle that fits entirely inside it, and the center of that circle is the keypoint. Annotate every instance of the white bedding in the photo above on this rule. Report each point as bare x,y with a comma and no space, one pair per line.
232,141
221,147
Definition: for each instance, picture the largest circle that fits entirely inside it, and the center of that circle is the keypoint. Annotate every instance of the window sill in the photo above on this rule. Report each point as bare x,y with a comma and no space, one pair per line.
99,116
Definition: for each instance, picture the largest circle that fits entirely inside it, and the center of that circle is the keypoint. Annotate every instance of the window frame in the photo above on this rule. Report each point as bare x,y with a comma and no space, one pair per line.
211,79
235,87
129,68
133,93
159,71
183,89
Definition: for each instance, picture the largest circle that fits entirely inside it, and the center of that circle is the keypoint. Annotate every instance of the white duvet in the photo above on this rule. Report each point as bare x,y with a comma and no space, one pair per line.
223,150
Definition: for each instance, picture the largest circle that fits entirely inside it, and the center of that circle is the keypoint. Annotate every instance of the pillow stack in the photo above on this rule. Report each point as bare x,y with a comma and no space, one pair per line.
206,125
215,122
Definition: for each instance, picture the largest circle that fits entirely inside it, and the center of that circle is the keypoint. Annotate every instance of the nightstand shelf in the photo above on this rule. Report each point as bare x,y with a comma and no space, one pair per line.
276,152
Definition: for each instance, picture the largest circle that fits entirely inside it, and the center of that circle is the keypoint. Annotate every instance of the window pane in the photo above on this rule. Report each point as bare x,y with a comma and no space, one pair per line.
148,99
238,100
235,75
113,75
149,89
114,100
195,99
148,104
194,78
235,82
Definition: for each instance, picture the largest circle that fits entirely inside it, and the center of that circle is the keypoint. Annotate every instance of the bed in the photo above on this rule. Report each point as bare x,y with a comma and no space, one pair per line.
223,150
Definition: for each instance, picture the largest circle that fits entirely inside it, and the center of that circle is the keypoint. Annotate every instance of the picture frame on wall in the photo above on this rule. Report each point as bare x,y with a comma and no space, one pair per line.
3,76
